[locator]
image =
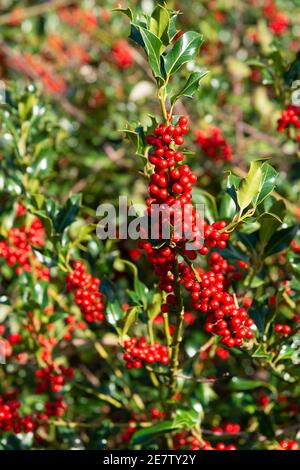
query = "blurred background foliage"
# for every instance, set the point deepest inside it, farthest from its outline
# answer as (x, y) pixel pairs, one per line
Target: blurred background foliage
(69, 71)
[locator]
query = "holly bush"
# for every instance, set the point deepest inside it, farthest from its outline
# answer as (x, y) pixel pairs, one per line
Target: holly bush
(189, 341)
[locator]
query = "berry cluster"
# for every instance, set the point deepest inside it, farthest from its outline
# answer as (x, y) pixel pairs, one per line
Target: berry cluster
(222, 353)
(224, 317)
(187, 441)
(79, 18)
(213, 144)
(295, 246)
(10, 419)
(157, 414)
(72, 324)
(286, 444)
(122, 54)
(86, 291)
(263, 400)
(130, 430)
(171, 184)
(170, 187)
(38, 69)
(17, 249)
(56, 407)
(46, 344)
(137, 352)
(278, 21)
(227, 428)
(283, 329)
(52, 378)
(290, 121)
(60, 52)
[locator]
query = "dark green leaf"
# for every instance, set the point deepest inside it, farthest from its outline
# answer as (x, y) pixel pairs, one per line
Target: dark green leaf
(114, 312)
(136, 136)
(232, 184)
(140, 289)
(135, 35)
(184, 50)
(293, 72)
(250, 240)
(268, 183)
(67, 213)
(146, 434)
(240, 384)
(261, 353)
(191, 85)
(269, 223)
(280, 240)
(259, 312)
(40, 293)
(227, 207)
(208, 203)
(233, 252)
(152, 46)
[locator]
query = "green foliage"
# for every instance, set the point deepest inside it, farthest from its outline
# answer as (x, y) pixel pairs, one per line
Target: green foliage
(72, 81)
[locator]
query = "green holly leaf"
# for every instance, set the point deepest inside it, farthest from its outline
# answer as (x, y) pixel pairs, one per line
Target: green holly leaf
(152, 45)
(250, 240)
(271, 221)
(81, 232)
(208, 202)
(232, 184)
(172, 25)
(184, 50)
(40, 293)
(280, 240)
(250, 185)
(240, 384)
(261, 353)
(190, 87)
(137, 137)
(67, 213)
(126, 11)
(148, 433)
(154, 308)
(160, 23)
(37, 201)
(259, 314)
(141, 291)
(114, 313)
(43, 163)
(187, 419)
(256, 63)
(135, 35)
(293, 72)
(130, 318)
(267, 184)
(227, 207)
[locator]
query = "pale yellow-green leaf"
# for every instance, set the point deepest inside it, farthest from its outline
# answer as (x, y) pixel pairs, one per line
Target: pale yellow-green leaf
(250, 185)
